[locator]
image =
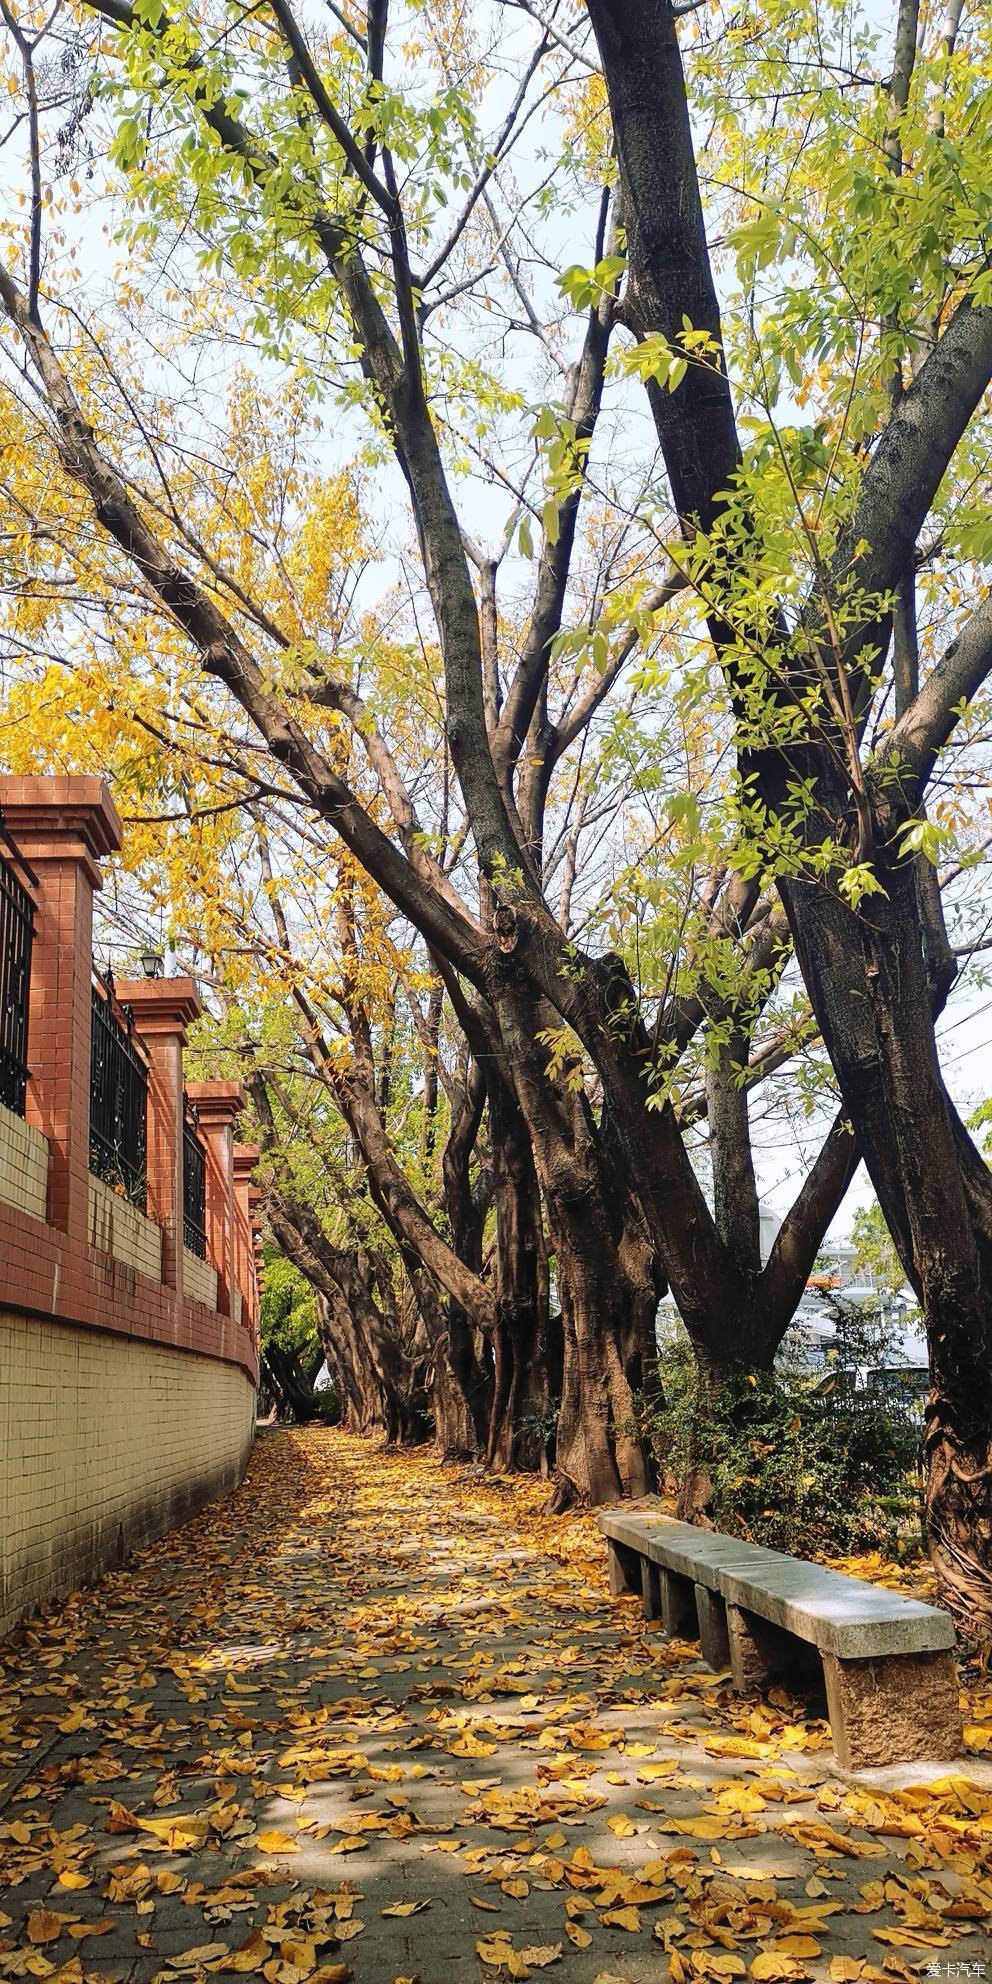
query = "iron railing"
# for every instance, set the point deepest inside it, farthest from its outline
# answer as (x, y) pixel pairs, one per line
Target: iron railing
(118, 1097)
(194, 1185)
(16, 931)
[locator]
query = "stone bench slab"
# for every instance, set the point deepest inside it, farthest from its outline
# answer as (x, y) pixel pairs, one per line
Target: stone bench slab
(698, 1554)
(838, 1614)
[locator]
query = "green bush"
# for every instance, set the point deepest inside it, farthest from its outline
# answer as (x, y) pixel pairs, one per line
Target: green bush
(780, 1464)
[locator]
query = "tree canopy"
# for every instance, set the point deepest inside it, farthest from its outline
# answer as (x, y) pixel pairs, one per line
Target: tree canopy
(505, 495)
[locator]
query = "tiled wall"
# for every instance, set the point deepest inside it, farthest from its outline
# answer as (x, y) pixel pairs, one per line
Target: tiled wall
(199, 1280)
(126, 1394)
(104, 1443)
(23, 1165)
(117, 1227)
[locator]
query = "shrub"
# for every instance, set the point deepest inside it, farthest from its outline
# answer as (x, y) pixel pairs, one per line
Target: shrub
(777, 1462)
(327, 1407)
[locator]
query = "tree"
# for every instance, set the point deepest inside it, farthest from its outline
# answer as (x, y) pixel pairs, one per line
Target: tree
(288, 1340)
(866, 923)
(874, 1253)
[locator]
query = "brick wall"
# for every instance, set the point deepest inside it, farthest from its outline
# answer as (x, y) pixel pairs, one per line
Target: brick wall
(23, 1165)
(127, 1365)
(104, 1444)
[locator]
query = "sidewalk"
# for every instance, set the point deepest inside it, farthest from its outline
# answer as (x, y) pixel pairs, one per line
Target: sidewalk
(371, 1717)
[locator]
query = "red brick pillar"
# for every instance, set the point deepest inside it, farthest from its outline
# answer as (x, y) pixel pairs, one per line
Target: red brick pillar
(163, 1009)
(245, 1160)
(62, 827)
(219, 1104)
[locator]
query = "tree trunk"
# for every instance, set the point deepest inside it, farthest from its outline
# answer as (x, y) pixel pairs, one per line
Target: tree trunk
(465, 1354)
(608, 1282)
(520, 1419)
(363, 1405)
(374, 1365)
(458, 1381)
(289, 1384)
(867, 976)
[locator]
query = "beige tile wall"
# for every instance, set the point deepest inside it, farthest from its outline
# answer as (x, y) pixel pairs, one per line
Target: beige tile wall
(118, 1228)
(104, 1443)
(199, 1279)
(23, 1165)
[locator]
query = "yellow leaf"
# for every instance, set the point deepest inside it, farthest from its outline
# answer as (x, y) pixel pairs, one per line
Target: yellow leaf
(707, 1826)
(621, 1918)
(577, 1935)
(405, 1908)
(276, 1842)
(492, 1951)
(467, 1745)
(910, 1939)
(252, 1954)
(44, 1926)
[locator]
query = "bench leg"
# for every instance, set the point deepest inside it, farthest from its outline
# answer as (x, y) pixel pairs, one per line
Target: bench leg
(711, 1613)
(762, 1654)
(903, 1709)
(678, 1606)
(747, 1666)
(650, 1589)
(625, 1569)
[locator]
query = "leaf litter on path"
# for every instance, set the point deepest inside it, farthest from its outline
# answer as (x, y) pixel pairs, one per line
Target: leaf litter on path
(375, 1718)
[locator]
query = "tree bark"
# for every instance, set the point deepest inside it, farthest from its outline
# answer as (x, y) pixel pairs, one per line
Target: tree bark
(519, 1423)
(868, 978)
(606, 1268)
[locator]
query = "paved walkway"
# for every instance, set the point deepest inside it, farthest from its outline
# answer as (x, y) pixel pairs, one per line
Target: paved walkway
(370, 1717)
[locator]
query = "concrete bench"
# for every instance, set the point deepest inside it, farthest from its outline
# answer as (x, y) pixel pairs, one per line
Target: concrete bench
(884, 1662)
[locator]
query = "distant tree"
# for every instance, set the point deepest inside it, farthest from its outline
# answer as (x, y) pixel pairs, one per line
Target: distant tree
(874, 1252)
(291, 1353)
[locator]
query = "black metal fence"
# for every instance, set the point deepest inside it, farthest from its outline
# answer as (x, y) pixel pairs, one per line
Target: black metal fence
(16, 928)
(194, 1186)
(118, 1097)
